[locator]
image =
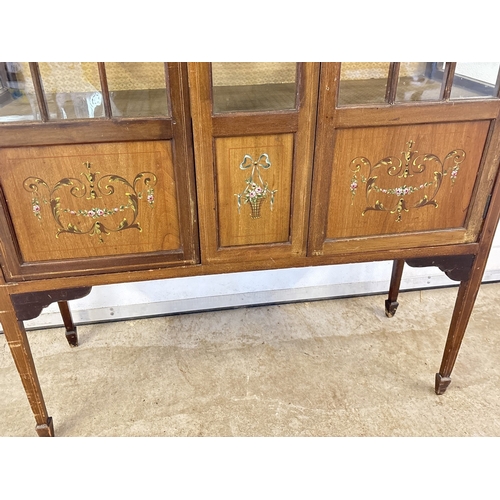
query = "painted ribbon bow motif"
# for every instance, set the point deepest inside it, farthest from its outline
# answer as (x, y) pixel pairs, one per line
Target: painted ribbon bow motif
(92, 217)
(256, 190)
(404, 184)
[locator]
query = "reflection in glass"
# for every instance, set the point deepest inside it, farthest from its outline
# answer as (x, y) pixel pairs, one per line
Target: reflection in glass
(473, 79)
(420, 81)
(17, 94)
(250, 86)
(72, 90)
(363, 82)
(137, 88)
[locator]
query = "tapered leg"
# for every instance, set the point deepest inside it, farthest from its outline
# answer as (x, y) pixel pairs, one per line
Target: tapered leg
(468, 269)
(391, 304)
(464, 304)
(15, 334)
(71, 333)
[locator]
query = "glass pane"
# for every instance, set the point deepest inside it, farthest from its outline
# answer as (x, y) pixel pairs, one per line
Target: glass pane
(17, 94)
(137, 88)
(363, 82)
(419, 81)
(474, 79)
(72, 90)
(267, 86)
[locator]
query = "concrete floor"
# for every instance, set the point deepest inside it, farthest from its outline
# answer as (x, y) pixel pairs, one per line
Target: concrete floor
(328, 368)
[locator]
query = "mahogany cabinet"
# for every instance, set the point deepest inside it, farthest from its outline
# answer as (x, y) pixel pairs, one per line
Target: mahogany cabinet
(120, 172)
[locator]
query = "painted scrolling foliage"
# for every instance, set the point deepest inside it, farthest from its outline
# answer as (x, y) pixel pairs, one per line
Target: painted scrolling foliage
(420, 177)
(256, 190)
(95, 216)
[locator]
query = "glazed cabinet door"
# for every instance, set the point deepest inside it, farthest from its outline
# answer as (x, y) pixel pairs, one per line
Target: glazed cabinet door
(253, 131)
(97, 169)
(403, 157)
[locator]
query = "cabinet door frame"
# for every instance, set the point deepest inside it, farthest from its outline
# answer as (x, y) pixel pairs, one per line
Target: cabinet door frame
(332, 118)
(208, 126)
(176, 129)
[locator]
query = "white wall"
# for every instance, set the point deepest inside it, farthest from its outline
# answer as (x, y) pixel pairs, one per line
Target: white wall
(133, 300)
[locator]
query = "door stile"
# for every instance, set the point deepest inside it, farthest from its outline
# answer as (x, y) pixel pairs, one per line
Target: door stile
(177, 82)
(323, 156)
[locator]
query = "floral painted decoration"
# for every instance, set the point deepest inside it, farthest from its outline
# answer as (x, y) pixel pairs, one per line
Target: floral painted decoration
(412, 167)
(94, 192)
(256, 190)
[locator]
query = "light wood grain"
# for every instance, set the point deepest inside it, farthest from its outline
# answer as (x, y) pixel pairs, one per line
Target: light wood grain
(37, 237)
(346, 219)
(236, 226)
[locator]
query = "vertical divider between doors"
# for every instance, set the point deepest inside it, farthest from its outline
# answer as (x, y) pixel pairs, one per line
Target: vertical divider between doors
(183, 158)
(200, 105)
(308, 83)
(323, 155)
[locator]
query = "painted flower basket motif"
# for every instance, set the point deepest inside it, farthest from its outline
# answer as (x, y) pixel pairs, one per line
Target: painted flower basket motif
(256, 190)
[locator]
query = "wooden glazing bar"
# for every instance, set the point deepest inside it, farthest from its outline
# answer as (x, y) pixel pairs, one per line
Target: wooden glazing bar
(104, 89)
(299, 71)
(448, 74)
(40, 94)
(416, 112)
(278, 122)
(169, 89)
(85, 131)
(335, 70)
(392, 82)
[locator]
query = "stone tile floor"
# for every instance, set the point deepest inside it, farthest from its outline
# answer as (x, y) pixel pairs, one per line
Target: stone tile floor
(328, 368)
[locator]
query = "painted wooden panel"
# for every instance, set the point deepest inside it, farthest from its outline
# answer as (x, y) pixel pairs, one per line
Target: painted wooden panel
(254, 186)
(91, 200)
(403, 179)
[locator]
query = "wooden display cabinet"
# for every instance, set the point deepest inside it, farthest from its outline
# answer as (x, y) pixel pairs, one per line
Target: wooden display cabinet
(120, 172)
